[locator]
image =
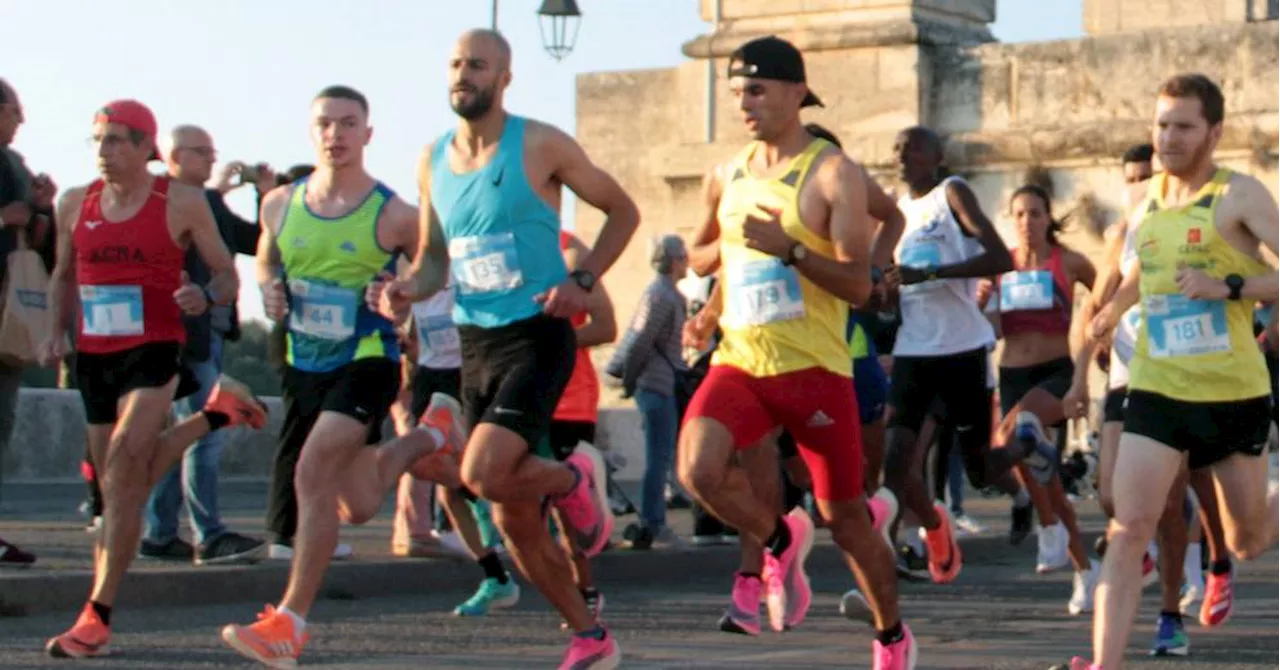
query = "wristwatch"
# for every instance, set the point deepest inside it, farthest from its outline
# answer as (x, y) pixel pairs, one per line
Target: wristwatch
(796, 253)
(1235, 283)
(930, 272)
(584, 279)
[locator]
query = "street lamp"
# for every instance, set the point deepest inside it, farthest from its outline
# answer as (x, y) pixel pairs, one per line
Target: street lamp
(555, 18)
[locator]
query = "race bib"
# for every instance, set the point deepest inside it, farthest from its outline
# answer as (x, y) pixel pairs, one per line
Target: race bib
(1180, 326)
(766, 291)
(485, 263)
(323, 311)
(1030, 289)
(112, 310)
(921, 255)
(437, 333)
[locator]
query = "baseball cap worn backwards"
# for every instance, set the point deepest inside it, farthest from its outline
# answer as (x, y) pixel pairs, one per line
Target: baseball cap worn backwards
(771, 58)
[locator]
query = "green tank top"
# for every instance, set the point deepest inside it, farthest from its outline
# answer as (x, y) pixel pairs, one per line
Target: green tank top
(328, 263)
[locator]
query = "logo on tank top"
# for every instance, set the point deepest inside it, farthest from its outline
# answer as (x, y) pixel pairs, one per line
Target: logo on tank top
(348, 246)
(117, 254)
(497, 181)
(1193, 236)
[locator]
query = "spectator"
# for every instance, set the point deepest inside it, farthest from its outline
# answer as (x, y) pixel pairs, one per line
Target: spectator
(26, 210)
(189, 156)
(648, 362)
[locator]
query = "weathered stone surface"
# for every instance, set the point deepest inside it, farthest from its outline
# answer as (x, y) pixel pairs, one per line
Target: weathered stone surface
(1103, 17)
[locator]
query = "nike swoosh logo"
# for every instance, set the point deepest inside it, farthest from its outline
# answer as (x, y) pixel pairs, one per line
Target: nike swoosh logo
(92, 224)
(504, 410)
(498, 180)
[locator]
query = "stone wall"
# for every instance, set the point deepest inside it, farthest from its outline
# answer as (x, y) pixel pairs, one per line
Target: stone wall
(1104, 17)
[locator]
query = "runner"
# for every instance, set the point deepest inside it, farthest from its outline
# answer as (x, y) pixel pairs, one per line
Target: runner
(575, 418)
(1036, 369)
(1198, 387)
(792, 234)
(329, 236)
(121, 246)
(941, 350)
(514, 301)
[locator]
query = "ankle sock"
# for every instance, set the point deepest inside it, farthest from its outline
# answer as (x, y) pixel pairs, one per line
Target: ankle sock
(890, 635)
(298, 622)
(467, 494)
(1021, 498)
(1176, 616)
(596, 633)
(103, 612)
(492, 566)
(750, 575)
(216, 420)
(780, 539)
(1220, 567)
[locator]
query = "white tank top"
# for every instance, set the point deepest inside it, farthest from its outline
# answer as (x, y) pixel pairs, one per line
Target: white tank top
(939, 317)
(1122, 342)
(437, 335)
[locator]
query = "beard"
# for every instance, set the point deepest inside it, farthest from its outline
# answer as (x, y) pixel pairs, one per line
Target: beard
(480, 103)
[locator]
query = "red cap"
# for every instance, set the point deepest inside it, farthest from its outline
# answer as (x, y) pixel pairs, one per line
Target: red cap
(132, 114)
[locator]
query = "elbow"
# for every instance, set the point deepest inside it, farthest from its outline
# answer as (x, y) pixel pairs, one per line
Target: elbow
(704, 259)
(858, 292)
(624, 214)
(1002, 261)
(609, 332)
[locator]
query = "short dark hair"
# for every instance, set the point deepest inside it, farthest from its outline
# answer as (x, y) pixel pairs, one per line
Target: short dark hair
(1200, 87)
(1139, 153)
(4, 91)
(345, 93)
(294, 174)
(820, 132)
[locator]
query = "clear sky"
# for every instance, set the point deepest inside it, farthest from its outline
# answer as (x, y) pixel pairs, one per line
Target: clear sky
(246, 70)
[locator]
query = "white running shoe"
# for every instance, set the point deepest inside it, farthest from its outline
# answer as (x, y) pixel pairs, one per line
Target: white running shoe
(1082, 586)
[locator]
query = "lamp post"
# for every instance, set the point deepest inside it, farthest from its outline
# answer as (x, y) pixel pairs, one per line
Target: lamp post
(556, 18)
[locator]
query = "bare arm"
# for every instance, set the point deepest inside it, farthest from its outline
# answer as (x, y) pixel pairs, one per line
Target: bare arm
(573, 168)
(602, 325)
(892, 222)
(192, 208)
(1109, 280)
(1260, 216)
(848, 275)
(994, 259)
(63, 296)
(268, 261)
(430, 271)
(704, 249)
(401, 225)
(1081, 272)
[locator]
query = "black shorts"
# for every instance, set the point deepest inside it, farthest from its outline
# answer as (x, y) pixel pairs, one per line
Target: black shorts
(513, 375)
(563, 437)
(1053, 377)
(1113, 405)
(953, 387)
(427, 381)
(1207, 431)
(362, 390)
(103, 379)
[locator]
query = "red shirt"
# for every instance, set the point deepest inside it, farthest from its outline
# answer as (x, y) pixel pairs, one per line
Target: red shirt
(581, 398)
(127, 272)
(1042, 306)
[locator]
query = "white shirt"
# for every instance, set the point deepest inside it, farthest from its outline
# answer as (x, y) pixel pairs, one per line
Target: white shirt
(437, 335)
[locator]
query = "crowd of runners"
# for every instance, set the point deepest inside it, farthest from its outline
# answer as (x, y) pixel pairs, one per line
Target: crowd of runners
(808, 255)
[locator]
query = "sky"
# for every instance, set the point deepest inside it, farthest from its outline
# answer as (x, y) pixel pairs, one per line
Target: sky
(246, 70)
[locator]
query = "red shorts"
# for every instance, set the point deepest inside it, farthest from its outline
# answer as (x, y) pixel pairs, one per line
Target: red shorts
(815, 405)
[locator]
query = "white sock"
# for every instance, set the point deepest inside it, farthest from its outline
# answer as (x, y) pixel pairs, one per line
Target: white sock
(436, 435)
(913, 539)
(1021, 498)
(1191, 566)
(298, 622)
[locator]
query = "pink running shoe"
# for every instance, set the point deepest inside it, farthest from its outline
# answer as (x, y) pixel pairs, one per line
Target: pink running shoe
(900, 655)
(585, 509)
(884, 509)
(588, 653)
(743, 615)
(788, 595)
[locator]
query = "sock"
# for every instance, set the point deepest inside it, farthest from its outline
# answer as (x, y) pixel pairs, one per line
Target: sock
(216, 420)
(596, 633)
(467, 494)
(1021, 498)
(1176, 616)
(890, 635)
(1220, 567)
(913, 540)
(492, 567)
(750, 575)
(589, 592)
(436, 434)
(1191, 566)
(298, 622)
(781, 538)
(103, 612)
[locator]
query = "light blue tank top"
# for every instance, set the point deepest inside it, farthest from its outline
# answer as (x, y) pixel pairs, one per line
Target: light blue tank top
(504, 240)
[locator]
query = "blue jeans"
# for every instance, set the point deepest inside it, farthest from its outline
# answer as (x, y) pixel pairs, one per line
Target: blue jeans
(955, 480)
(195, 478)
(658, 415)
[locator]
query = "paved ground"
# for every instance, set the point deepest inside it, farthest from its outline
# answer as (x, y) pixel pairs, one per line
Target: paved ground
(663, 607)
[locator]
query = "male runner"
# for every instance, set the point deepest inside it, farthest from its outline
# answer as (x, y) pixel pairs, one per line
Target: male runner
(941, 350)
(792, 236)
(1198, 387)
(329, 236)
(121, 246)
(490, 193)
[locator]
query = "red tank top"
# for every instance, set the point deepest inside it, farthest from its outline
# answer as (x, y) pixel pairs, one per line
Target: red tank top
(1036, 300)
(581, 398)
(127, 272)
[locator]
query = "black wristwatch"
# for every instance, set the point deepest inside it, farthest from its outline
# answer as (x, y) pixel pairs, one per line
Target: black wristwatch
(795, 254)
(584, 279)
(1235, 283)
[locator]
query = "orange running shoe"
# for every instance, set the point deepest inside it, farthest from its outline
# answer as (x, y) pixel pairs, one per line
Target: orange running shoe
(1216, 607)
(944, 550)
(271, 641)
(86, 639)
(444, 414)
(234, 399)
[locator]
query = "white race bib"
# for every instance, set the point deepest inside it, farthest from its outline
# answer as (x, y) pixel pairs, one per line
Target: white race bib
(920, 255)
(1026, 290)
(323, 311)
(1180, 326)
(485, 263)
(438, 334)
(766, 291)
(112, 310)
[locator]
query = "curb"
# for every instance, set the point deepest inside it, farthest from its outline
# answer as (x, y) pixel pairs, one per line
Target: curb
(27, 594)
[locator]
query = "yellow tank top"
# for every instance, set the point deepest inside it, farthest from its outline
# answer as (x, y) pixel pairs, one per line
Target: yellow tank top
(1193, 350)
(775, 321)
